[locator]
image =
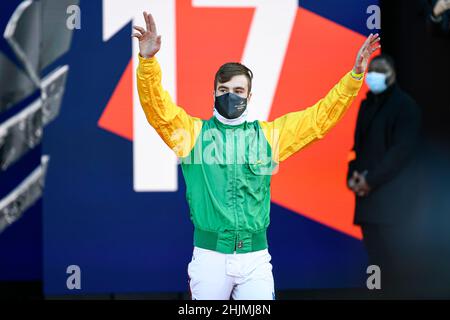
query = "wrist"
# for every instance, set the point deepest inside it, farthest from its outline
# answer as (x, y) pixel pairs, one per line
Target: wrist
(146, 56)
(435, 18)
(356, 74)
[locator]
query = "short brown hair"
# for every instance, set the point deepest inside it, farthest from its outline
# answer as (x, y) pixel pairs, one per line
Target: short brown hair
(231, 69)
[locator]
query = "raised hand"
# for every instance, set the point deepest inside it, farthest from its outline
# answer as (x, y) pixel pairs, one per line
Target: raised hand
(368, 48)
(149, 40)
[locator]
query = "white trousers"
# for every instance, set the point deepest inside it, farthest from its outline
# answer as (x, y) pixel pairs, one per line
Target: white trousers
(219, 276)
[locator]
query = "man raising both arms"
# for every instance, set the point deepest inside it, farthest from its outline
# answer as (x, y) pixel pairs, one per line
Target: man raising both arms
(227, 163)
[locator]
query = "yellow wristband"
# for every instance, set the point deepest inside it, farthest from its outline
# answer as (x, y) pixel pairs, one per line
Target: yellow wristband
(357, 76)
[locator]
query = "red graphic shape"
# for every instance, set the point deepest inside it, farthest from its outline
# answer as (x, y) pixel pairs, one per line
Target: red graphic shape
(313, 182)
(118, 114)
(320, 52)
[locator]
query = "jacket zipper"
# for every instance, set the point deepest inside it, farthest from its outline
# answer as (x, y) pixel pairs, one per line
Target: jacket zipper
(235, 190)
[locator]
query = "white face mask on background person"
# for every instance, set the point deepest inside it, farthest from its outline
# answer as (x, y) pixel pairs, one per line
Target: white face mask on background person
(376, 81)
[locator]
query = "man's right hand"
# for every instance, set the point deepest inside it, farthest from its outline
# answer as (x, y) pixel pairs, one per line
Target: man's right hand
(149, 40)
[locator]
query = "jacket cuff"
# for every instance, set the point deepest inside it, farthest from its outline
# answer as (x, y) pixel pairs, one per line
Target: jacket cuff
(371, 181)
(351, 86)
(147, 65)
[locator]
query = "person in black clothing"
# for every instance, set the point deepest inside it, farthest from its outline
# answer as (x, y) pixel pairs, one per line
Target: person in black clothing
(386, 136)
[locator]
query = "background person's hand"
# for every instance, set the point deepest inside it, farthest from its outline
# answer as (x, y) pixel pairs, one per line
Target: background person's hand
(149, 40)
(440, 7)
(352, 182)
(361, 188)
(368, 48)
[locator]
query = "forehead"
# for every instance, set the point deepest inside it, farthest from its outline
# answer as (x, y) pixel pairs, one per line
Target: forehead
(235, 82)
(379, 65)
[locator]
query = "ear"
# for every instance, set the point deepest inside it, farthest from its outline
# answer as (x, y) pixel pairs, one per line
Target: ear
(249, 97)
(391, 78)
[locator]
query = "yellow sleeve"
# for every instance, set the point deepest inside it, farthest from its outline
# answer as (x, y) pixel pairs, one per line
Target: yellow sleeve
(294, 131)
(178, 129)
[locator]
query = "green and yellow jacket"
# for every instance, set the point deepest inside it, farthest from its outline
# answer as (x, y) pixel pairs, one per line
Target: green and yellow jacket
(227, 168)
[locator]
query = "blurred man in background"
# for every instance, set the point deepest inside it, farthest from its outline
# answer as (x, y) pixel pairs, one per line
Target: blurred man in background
(386, 134)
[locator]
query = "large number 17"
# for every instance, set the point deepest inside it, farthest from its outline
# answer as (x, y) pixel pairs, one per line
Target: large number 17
(154, 164)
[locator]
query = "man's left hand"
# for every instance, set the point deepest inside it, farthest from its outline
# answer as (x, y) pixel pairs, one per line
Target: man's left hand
(368, 48)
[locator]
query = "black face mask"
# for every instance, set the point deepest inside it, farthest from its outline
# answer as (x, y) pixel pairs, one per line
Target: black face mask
(230, 105)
